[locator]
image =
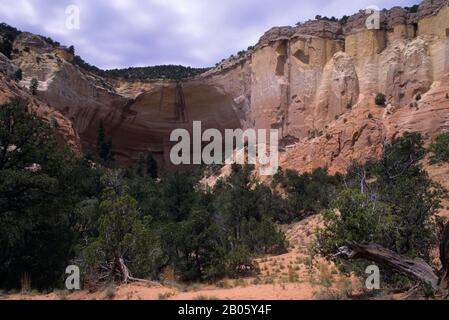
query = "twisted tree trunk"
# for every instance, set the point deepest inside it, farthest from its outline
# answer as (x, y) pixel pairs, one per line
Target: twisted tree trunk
(127, 278)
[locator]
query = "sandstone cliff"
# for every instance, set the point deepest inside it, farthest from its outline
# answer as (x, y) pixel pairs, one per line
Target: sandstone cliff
(10, 89)
(315, 82)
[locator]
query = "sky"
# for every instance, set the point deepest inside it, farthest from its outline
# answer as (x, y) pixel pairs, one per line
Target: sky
(199, 33)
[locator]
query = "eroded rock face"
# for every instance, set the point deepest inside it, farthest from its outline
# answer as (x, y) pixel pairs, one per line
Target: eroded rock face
(6, 66)
(138, 116)
(428, 116)
(315, 82)
(319, 89)
(65, 132)
(148, 121)
(357, 136)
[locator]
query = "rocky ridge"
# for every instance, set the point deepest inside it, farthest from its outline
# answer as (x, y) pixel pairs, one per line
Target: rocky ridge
(315, 82)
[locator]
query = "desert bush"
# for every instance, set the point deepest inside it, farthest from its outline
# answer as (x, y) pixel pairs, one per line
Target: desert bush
(166, 295)
(440, 149)
(110, 291)
(34, 84)
(240, 263)
(206, 298)
(7, 36)
(380, 99)
(307, 194)
(18, 75)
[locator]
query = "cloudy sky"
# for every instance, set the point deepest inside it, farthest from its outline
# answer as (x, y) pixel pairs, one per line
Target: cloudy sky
(122, 33)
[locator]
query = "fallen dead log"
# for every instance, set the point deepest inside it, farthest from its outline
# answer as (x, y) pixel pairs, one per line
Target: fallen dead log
(417, 269)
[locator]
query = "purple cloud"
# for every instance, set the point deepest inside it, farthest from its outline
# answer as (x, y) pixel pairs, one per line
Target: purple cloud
(123, 33)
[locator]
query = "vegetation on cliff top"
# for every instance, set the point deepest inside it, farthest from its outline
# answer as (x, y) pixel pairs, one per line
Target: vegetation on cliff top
(7, 36)
(171, 72)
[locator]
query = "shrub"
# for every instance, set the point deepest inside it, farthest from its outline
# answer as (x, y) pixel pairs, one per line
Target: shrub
(239, 262)
(440, 149)
(413, 9)
(18, 75)
(110, 292)
(51, 42)
(104, 146)
(152, 168)
(307, 193)
(166, 295)
(34, 84)
(344, 19)
(7, 36)
(380, 99)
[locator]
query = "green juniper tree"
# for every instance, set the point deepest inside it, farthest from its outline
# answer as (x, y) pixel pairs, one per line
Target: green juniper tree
(7, 36)
(381, 99)
(440, 149)
(391, 202)
(104, 145)
(124, 241)
(39, 184)
(34, 84)
(308, 193)
(152, 168)
(140, 165)
(18, 75)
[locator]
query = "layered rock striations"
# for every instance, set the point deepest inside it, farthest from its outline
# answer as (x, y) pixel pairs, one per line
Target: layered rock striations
(63, 127)
(315, 82)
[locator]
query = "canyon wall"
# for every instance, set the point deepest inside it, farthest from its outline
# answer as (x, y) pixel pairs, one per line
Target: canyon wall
(315, 82)
(10, 90)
